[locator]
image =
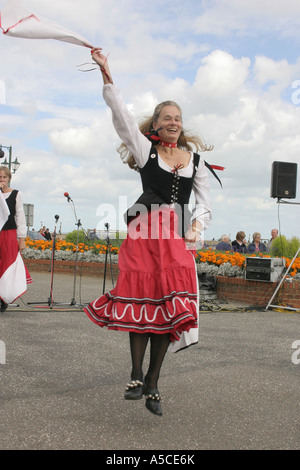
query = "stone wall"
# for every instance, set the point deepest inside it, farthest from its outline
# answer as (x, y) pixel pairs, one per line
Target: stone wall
(68, 267)
(258, 293)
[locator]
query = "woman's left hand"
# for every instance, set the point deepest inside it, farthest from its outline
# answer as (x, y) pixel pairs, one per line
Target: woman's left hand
(191, 236)
(22, 244)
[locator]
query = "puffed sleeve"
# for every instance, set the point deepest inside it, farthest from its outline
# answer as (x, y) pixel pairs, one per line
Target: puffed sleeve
(202, 209)
(126, 125)
(20, 217)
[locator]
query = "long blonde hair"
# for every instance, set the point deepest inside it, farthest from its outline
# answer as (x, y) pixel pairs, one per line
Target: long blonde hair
(185, 142)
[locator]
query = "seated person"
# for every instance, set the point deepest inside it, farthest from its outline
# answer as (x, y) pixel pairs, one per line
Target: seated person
(256, 246)
(93, 235)
(238, 245)
(224, 244)
(274, 235)
(47, 234)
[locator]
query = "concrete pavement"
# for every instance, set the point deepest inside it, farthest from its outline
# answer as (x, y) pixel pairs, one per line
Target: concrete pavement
(63, 381)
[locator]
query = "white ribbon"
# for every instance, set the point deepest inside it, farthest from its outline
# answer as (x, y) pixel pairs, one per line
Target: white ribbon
(17, 21)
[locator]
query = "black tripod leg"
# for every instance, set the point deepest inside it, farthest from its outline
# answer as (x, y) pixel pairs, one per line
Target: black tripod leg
(51, 268)
(105, 266)
(73, 301)
(111, 269)
(50, 300)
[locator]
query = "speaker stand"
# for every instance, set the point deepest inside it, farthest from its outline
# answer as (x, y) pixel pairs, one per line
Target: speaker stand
(279, 285)
(280, 201)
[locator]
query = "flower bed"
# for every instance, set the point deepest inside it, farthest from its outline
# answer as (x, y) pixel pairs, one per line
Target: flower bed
(211, 262)
(233, 264)
(69, 248)
(228, 269)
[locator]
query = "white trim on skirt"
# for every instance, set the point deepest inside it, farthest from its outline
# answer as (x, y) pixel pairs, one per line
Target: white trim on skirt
(13, 282)
(188, 338)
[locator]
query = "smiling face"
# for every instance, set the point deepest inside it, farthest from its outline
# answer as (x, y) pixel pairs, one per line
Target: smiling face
(170, 120)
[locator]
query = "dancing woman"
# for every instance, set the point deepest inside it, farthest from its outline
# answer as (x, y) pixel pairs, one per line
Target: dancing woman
(156, 296)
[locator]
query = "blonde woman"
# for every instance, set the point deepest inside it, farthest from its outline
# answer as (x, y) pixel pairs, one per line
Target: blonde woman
(156, 295)
(256, 246)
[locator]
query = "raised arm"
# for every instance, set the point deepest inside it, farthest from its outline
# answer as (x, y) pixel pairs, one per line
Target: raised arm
(101, 60)
(123, 120)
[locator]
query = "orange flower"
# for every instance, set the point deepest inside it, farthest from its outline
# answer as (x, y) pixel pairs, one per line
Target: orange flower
(237, 259)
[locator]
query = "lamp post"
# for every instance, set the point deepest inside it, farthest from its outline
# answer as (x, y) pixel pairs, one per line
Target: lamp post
(12, 166)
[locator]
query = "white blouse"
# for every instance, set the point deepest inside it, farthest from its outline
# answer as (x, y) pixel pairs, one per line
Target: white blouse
(129, 132)
(19, 216)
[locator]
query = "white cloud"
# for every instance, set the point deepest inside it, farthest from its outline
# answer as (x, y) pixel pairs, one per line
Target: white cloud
(220, 82)
(2, 92)
(241, 17)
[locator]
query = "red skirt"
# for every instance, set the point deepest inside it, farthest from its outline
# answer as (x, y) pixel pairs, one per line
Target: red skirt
(14, 275)
(157, 286)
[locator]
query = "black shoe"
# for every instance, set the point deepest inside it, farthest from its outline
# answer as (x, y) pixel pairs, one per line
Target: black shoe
(153, 400)
(134, 390)
(3, 306)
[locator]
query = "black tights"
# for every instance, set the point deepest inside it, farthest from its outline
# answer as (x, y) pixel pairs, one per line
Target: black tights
(158, 348)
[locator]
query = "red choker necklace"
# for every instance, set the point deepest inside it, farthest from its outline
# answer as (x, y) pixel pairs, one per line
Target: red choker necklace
(168, 144)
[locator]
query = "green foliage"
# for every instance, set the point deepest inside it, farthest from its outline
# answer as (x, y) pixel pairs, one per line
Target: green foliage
(283, 247)
(71, 237)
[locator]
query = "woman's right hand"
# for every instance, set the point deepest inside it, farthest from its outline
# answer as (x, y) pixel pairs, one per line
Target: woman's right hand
(101, 60)
(98, 57)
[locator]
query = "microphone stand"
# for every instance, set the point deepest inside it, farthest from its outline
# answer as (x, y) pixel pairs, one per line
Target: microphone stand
(50, 299)
(73, 301)
(78, 224)
(51, 302)
(106, 254)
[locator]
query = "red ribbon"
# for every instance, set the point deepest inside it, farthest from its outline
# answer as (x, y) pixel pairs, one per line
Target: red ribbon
(216, 167)
(177, 167)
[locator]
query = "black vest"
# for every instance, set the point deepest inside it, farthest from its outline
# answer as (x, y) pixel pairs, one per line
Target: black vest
(164, 187)
(10, 224)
